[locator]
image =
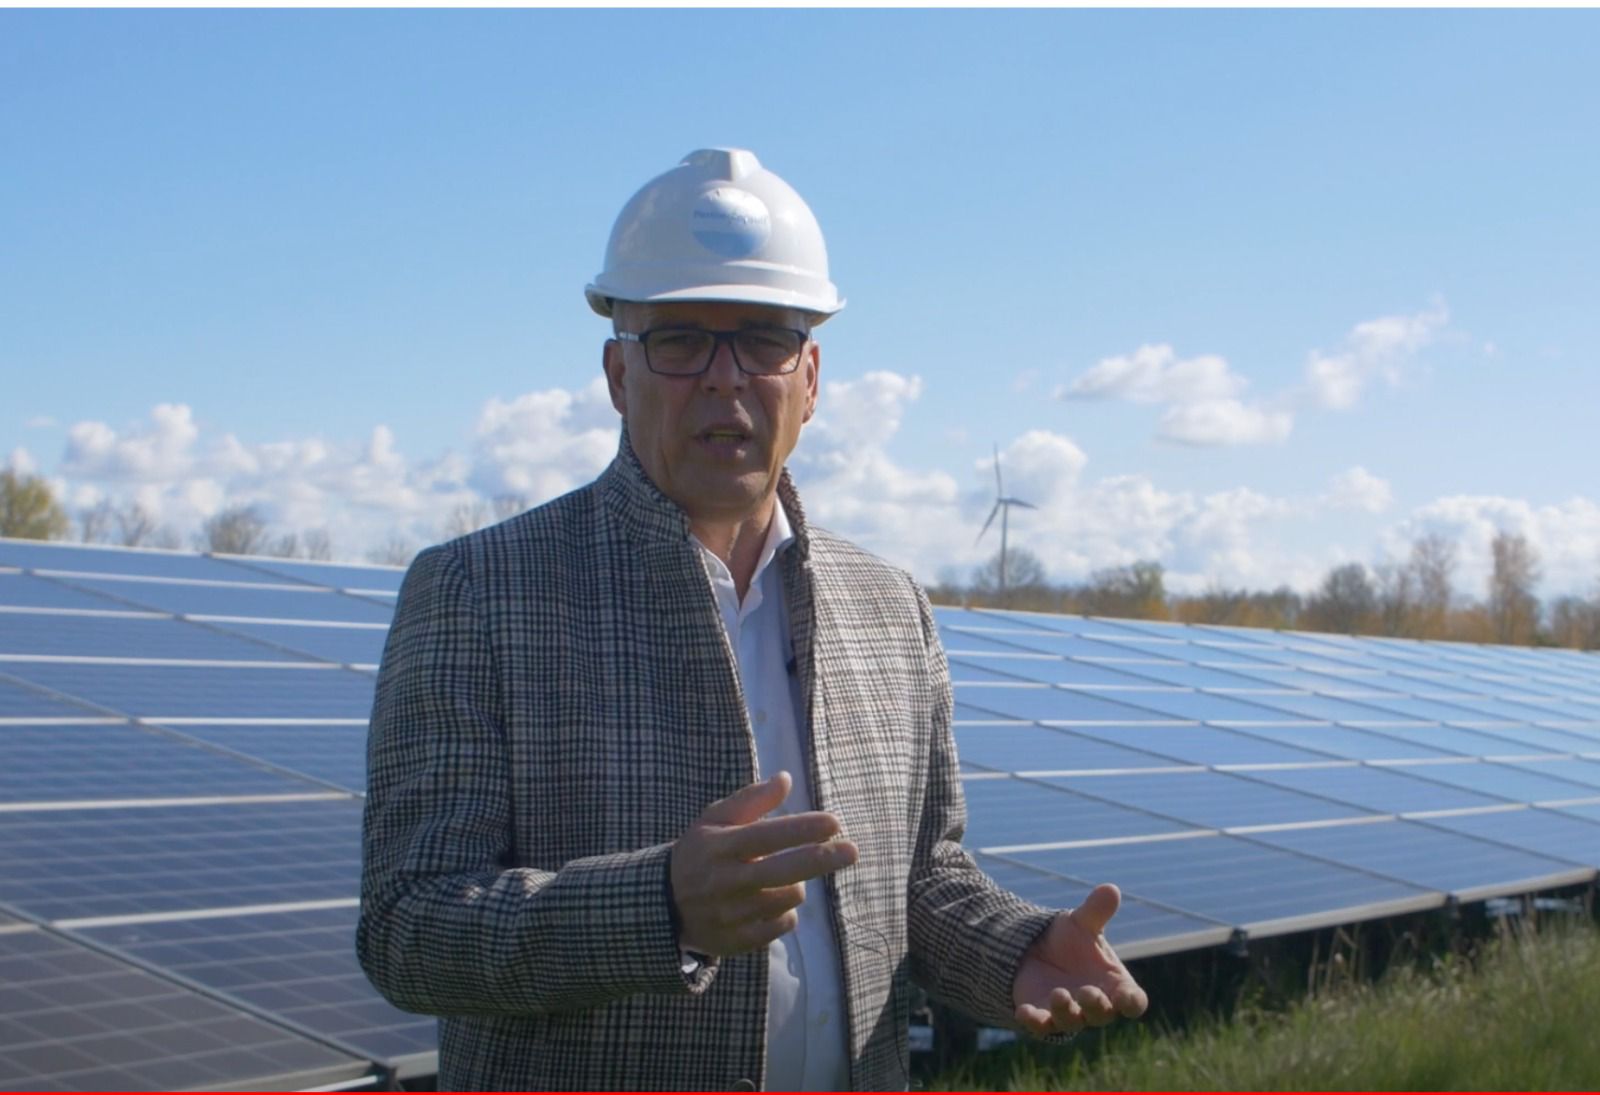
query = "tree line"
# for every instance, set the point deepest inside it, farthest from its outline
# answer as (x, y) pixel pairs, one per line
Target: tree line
(1416, 599)
(29, 510)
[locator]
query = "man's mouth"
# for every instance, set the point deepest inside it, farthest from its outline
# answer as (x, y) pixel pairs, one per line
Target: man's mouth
(725, 435)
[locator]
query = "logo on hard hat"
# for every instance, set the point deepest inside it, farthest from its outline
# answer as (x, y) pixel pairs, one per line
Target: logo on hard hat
(733, 223)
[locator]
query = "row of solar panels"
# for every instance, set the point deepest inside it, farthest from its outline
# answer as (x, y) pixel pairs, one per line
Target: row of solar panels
(184, 749)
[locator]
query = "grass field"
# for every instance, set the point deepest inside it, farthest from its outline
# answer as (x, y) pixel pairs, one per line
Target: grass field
(1522, 1013)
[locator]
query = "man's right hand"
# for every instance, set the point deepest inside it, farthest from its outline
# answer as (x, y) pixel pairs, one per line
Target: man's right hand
(738, 875)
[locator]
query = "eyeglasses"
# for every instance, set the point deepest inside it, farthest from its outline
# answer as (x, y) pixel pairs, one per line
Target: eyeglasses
(687, 351)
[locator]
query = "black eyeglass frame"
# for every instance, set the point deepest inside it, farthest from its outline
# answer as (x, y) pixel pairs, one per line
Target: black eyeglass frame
(717, 338)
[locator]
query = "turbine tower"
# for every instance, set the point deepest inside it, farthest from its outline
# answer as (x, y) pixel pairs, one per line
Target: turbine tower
(1002, 506)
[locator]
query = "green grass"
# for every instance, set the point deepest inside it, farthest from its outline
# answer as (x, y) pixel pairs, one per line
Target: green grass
(1523, 1014)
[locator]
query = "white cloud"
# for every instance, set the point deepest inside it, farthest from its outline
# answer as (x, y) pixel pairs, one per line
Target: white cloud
(1376, 349)
(1566, 537)
(21, 461)
(1155, 374)
(1224, 422)
(1358, 489)
(862, 413)
(1201, 393)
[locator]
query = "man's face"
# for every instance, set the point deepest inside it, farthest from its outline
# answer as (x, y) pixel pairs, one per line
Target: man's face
(714, 443)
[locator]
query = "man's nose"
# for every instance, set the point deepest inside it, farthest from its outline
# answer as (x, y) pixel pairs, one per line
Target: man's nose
(723, 374)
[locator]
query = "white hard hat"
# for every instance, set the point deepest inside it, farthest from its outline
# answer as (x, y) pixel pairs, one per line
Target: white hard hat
(719, 226)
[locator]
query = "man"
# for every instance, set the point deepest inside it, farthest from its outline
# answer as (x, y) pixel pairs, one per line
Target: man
(662, 791)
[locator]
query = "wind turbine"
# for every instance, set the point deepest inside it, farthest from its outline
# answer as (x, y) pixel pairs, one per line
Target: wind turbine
(1002, 506)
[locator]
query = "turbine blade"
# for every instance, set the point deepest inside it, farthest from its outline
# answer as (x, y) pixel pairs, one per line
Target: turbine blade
(989, 522)
(999, 487)
(1020, 502)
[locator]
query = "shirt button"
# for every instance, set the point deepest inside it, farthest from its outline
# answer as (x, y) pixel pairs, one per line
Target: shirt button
(761, 718)
(822, 1018)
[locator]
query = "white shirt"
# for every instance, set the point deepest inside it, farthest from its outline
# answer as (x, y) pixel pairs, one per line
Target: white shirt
(806, 1037)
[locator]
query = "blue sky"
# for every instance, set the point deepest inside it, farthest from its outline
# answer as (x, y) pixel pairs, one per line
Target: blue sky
(1250, 292)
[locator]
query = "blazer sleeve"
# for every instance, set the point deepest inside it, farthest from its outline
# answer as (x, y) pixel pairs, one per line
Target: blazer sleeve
(966, 934)
(448, 926)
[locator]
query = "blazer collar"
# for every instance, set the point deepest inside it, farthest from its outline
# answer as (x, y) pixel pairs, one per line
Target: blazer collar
(651, 517)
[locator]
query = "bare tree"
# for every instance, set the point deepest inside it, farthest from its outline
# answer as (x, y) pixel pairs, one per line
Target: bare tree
(396, 551)
(507, 506)
(237, 530)
(136, 525)
(1433, 562)
(1397, 600)
(95, 522)
(1513, 607)
(318, 545)
(1024, 577)
(1575, 622)
(29, 510)
(1345, 602)
(286, 546)
(466, 518)
(1137, 591)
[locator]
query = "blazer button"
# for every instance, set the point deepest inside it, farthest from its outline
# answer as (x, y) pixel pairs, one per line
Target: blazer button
(744, 1085)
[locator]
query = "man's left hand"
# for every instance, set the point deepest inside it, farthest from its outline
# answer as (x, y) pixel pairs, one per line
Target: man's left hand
(1071, 978)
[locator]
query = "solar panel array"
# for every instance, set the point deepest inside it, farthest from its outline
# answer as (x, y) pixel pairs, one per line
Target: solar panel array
(182, 753)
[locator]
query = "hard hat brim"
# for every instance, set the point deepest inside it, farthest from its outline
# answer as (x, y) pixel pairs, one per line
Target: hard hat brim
(601, 301)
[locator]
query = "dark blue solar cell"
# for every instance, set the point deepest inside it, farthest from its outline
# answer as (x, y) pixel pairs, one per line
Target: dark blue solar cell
(52, 763)
(327, 575)
(122, 637)
(1138, 930)
(1326, 708)
(1238, 882)
(333, 754)
(1554, 833)
(1201, 744)
(1284, 677)
(84, 559)
(298, 964)
(1076, 646)
(1190, 676)
(1202, 707)
(28, 591)
(74, 1019)
(1503, 781)
(1448, 739)
(1386, 790)
(1407, 708)
(345, 645)
(110, 862)
(1215, 800)
(20, 702)
(950, 616)
(1344, 742)
(1005, 812)
(1057, 704)
(975, 669)
(181, 691)
(1584, 772)
(1539, 739)
(1433, 859)
(1300, 659)
(1043, 749)
(1070, 625)
(957, 642)
(263, 603)
(1588, 811)
(1058, 670)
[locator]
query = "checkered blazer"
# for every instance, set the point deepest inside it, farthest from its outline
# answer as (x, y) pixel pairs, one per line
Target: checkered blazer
(558, 702)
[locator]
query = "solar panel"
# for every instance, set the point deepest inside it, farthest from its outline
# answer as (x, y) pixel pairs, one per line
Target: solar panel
(86, 762)
(75, 1019)
(1256, 889)
(157, 692)
(46, 633)
(19, 590)
(163, 728)
(297, 964)
(1462, 866)
(1214, 800)
(1139, 930)
(254, 602)
(75, 863)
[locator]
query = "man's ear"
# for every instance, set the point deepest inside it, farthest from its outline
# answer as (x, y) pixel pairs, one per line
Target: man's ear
(813, 366)
(615, 367)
